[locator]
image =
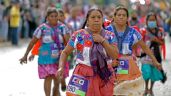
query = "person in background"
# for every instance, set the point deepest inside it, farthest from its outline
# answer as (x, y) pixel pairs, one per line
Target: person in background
(134, 20)
(15, 22)
(62, 19)
(93, 46)
(3, 23)
(74, 21)
(154, 38)
(50, 36)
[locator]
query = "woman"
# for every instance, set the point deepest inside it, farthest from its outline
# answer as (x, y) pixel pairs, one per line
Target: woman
(88, 72)
(154, 38)
(62, 18)
(127, 39)
(50, 36)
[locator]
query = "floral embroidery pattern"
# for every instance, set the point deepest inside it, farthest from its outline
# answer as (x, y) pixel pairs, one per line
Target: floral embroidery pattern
(83, 42)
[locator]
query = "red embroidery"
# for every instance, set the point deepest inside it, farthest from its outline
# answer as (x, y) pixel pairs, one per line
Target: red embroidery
(79, 47)
(88, 43)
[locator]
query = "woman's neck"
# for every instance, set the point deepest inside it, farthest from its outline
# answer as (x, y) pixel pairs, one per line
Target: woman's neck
(120, 28)
(52, 25)
(95, 31)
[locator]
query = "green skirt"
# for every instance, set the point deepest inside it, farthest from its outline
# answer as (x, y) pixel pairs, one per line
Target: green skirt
(151, 72)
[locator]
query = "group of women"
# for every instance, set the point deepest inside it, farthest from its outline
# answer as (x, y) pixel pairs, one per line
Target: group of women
(104, 55)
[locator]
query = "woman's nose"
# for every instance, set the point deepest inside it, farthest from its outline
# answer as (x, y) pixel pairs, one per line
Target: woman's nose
(96, 19)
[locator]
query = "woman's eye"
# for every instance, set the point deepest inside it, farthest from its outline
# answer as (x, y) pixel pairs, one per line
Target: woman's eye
(99, 17)
(93, 17)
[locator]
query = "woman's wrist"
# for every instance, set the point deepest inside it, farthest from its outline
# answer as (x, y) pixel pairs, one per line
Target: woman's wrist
(60, 68)
(103, 40)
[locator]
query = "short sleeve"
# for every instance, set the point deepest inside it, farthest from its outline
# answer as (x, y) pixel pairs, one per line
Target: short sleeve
(38, 32)
(136, 36)
(65, 29)
(109, 28)
(73, 40)
(111, 38)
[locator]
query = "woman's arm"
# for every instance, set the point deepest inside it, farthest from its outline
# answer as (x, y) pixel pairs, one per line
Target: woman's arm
(63, 58)
(30, 46)
(160, 41)
(112, 50)
(66, 38)
(147, 50)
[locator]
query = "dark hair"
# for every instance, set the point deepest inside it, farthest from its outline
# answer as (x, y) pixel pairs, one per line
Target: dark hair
(50, 10)
(121, 8)
(61, 11)
(88, 14)
(151, 14)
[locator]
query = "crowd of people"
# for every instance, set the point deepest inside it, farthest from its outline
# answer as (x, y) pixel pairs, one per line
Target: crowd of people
(102, 44)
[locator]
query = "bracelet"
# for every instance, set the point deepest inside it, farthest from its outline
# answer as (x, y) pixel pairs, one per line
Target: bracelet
(102, 41)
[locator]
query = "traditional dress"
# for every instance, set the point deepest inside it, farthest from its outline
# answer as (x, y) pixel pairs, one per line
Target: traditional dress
(49, 47)
(127, 71)
(93, 85)
(148, 70)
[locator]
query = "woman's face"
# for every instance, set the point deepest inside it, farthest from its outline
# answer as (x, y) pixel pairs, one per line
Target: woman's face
(61, 17)
(152, 23)
(52, 18)
(95, 20)
(121, 17)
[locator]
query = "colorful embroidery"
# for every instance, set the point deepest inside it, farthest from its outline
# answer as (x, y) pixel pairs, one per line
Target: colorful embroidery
(132, 37)
(83, 42)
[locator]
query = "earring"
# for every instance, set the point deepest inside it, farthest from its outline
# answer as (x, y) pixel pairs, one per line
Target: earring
(87, 25)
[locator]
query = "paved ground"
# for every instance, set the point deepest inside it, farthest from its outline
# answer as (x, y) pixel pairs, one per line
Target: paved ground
(18, 80)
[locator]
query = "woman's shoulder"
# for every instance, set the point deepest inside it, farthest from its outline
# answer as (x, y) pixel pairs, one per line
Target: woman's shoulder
(81, 31)
(134, 30)
(109, 32)
(109, 27)
(61, 24)
(43, 26)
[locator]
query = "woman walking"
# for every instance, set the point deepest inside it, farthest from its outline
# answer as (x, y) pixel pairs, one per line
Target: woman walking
(49, 34)
(93, 75)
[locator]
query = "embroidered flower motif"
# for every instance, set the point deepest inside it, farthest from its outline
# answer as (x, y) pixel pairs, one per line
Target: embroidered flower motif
(88, 43)
(87, 36)
(73, 38)
(80, 47)
(80, 38)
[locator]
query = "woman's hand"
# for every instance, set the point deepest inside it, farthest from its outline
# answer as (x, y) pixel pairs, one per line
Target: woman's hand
(60, 72)
(31, 57)
(157, 65)
(23, 60)
(98, 38)
(115, 63)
